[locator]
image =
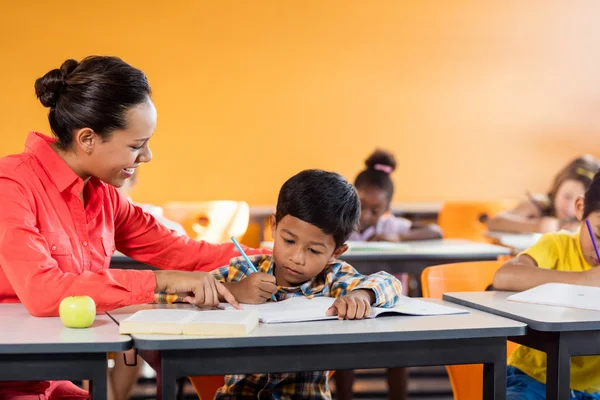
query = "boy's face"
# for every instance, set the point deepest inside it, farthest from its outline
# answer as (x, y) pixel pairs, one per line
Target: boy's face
(587, 246)
(300, 250)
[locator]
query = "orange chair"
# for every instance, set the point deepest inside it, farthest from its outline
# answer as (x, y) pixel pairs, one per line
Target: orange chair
(466, 380)
(467, 220)
(207, 386)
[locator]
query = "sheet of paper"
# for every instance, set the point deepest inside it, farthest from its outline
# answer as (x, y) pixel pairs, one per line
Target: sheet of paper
(561, 295)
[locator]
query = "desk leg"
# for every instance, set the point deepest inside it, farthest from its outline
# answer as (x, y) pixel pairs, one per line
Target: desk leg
(558, 378)
(166, 381)
(494, 375)
(99, 383)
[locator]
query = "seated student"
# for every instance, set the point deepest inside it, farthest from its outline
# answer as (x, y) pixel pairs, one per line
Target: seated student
(557, 257)
(153, 210)
(375, 190)
(316, 212)
(554, 211)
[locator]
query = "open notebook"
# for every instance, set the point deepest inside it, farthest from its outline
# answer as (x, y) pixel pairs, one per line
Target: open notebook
(190, 322)
(562, 295)
(300, 309)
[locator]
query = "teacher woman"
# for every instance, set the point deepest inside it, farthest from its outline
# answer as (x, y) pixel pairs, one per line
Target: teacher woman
(61, 217)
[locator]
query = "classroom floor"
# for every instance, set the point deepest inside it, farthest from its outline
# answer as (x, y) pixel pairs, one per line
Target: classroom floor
(429, 383)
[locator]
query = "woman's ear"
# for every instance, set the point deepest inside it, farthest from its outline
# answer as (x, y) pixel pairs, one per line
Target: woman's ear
(579, 208)
(338, 252)
(84, 140)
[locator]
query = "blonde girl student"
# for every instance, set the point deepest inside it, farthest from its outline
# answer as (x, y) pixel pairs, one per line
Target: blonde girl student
(553, 211)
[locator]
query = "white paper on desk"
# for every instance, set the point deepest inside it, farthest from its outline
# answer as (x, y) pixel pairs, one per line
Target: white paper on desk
(301, 309)
(561, 295)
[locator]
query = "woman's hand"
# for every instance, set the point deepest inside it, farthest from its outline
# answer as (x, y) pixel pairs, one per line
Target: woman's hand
(203, 288)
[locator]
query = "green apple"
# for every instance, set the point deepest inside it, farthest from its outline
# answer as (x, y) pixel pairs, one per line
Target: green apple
(77, 311)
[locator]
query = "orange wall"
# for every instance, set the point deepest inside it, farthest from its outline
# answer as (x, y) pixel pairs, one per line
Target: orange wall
(478, 99)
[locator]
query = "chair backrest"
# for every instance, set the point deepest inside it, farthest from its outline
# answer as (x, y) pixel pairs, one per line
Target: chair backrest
(212, 221)
(468, 220)
(473, 276)
(466, 380)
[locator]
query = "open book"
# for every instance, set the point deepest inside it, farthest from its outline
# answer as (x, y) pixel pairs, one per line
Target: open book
(300, 309)
(561, 295)
(190, 322)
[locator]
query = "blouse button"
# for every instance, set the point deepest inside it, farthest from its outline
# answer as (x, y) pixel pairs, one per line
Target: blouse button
(139, 298)
(85, 244)
(53, 248)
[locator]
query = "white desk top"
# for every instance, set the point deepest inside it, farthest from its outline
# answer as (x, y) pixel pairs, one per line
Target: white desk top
(425, 249)
(396, 328)
(260, 211)
(517, 241)
(538, 317)
(22, 333)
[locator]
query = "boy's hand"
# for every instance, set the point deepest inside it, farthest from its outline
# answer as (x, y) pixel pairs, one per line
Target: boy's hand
(356, 305)
(254, 289)
(591, 277)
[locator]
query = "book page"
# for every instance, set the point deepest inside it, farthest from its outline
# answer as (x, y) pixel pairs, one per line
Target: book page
(561, 295)
(295, 309)
(299, 309)
(409, 306)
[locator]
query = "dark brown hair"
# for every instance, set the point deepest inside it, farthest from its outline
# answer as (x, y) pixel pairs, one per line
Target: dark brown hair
(582, 169)
(379, 165)
(95, 93)
(323, 199)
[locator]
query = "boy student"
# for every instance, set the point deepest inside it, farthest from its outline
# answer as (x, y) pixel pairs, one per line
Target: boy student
(316, 213)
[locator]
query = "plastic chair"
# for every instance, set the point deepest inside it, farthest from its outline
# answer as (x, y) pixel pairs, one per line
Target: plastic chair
(467, 220)
(207, 386)
(466, 380)
(211, 221)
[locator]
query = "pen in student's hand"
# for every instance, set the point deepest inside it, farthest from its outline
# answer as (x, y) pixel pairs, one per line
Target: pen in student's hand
(592, 236)
(250, 265)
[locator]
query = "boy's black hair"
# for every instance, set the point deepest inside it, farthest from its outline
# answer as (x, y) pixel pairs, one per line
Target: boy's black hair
(379, 166)
(592, 197)
(323, 199)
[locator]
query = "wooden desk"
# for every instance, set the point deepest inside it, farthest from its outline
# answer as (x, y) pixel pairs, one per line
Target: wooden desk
(560, 332)
(378, 343)
(44, 349)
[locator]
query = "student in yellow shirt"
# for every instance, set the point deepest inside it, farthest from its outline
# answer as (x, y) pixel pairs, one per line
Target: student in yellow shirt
(557, 257)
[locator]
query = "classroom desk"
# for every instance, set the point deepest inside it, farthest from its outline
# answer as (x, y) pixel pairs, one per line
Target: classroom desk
(385, 342)
(412, 211)
(413, 257)
(516, 241)
(410, 257)
(44, 349)
(395, 258)
(559, 331)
